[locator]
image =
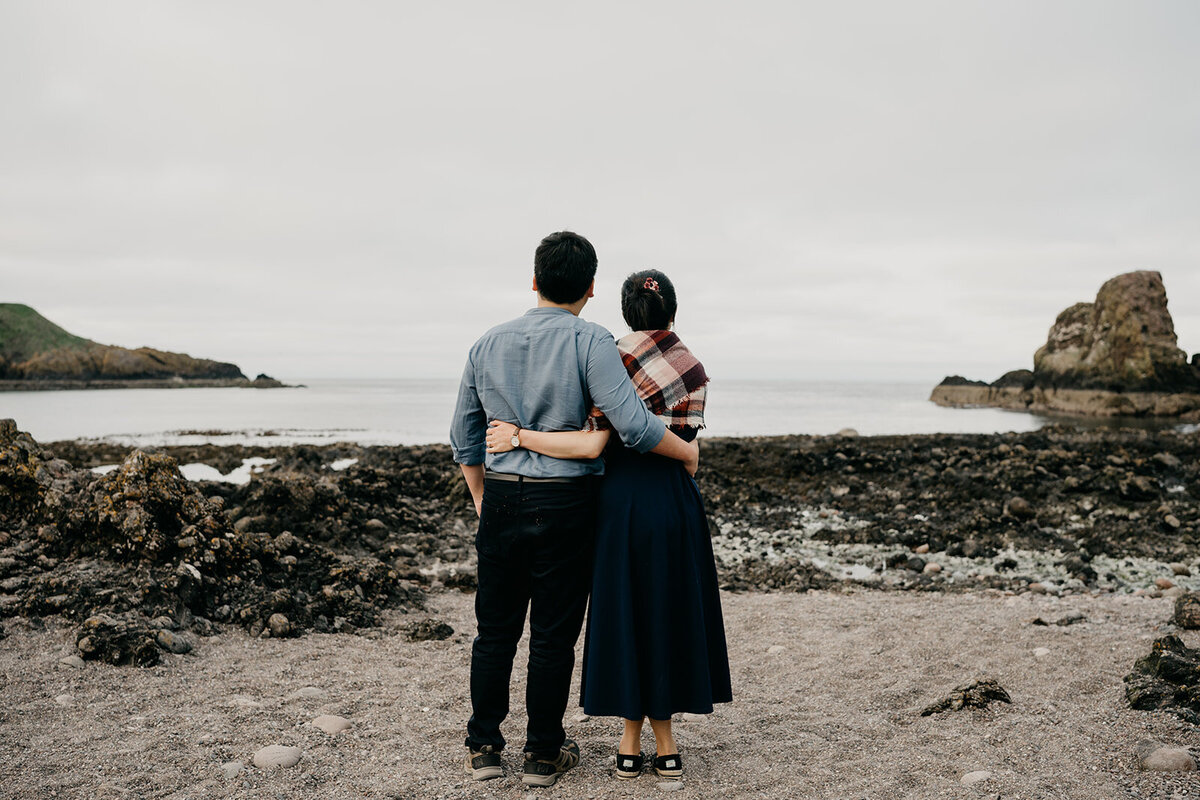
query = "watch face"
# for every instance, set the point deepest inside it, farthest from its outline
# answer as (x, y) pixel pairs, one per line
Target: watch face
(516, 441)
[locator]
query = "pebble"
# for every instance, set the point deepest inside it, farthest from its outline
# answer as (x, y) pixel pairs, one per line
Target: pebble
(687, 716)
(932, 568)
(1163, 758)
(332, 724)
(922, 549)
(582, 718)
(173, 642)
(670, 786)
(1175, 591)
(1037, 588)
(277, 755)
(72, 661)
(231, 769)
(245, 702)
(309, 692)
(1041, 652)
(1164, 583)
(279, 625)
(972, 778)
(65, 699)
(1172, 521)
(1179, 569)
(775, 649)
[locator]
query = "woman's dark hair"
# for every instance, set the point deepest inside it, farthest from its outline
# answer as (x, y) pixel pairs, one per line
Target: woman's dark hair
(648, 301)
(564, 266)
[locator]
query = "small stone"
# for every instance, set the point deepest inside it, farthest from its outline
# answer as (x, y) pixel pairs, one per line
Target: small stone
(932, 568)
(65, 699)
(670, 786)
(915, 563)
(277, 755)
(1038, 588)
(245, 702)
(1172, 521)
(775, 649)
(1179, 569)
(309, 692)
(922, 549)
(1041, 652)
(1174, 591)
(1018, 507)
(687, 716)
(581, 718)
(332, 724)
(1163, 583)
(1162, 758)
(231, 769)
(72, 661)
(972, 778)
(279, 625)
(173, 642)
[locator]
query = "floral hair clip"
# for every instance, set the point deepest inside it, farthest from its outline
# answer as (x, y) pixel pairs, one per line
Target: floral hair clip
(650, 284)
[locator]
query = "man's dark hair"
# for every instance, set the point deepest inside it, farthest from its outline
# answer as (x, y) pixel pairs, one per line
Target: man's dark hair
(648, 301)
(564, 266)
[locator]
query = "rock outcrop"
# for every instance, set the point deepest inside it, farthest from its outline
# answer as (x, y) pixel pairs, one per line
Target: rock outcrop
(141, 550)
(1113, 357)
(36, 353)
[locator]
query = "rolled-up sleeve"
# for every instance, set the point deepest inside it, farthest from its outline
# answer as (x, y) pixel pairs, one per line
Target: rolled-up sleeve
(468, 429)
(613, 393)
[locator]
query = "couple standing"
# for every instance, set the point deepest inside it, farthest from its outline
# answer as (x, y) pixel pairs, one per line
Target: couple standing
(540, 396)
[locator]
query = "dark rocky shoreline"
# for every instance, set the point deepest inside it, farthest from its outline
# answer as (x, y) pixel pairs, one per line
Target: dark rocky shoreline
(327, 549)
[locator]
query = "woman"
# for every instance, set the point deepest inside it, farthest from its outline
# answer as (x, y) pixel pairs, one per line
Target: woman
(655, 642)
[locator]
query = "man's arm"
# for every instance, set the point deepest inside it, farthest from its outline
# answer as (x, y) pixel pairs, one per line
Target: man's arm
(613, 393)
(468, 431)
(474, 475)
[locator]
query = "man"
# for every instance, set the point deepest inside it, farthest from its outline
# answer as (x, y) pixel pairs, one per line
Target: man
(542, 371)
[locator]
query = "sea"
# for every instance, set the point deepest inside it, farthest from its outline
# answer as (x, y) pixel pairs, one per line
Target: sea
(418, 411)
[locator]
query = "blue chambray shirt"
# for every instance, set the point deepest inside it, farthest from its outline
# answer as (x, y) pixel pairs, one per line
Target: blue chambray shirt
(544, 371)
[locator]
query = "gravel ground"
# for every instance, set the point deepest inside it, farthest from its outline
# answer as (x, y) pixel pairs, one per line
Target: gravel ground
(834, 714)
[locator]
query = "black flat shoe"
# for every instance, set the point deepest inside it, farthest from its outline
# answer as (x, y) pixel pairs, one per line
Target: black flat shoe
(669, 766)
(629, 767)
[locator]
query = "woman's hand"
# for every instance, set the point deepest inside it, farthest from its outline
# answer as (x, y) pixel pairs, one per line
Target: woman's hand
(499, 436)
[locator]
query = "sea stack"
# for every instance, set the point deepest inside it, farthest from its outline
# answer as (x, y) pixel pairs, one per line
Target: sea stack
(1116, 356)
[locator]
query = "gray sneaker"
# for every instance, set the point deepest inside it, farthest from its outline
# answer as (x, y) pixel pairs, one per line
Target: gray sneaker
(544, 772)
(484, 764)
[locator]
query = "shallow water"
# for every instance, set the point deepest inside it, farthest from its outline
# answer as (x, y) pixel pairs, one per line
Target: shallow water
(404, 411)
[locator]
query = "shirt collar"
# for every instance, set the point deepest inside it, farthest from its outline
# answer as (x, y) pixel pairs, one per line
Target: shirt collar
(547, 310)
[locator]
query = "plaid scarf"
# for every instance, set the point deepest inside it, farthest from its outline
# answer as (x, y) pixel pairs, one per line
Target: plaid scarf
(668, 378)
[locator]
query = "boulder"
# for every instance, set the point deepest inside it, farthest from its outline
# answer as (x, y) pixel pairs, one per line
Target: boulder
(1123, 341)
(1187, 610)
(1167, 679)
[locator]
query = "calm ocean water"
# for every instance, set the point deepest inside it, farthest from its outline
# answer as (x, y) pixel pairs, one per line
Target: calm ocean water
(418, 412)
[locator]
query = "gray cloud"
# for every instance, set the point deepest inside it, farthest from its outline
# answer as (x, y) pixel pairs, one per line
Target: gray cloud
(840, 190)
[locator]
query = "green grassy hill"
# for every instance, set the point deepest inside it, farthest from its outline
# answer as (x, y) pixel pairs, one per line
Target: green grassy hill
(32, 348)
(25, 333)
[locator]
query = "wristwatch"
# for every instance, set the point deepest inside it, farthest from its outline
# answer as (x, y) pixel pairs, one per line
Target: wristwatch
(516, 438)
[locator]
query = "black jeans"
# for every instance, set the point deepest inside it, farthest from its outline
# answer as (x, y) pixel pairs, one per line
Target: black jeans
(535, 551)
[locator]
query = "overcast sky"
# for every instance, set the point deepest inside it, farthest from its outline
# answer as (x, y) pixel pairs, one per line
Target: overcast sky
(839, 190)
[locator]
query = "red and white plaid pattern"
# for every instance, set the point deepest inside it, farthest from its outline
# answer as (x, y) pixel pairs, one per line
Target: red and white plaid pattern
(667, 377)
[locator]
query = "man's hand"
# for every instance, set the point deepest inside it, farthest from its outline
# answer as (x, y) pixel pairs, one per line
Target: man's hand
(692, 463)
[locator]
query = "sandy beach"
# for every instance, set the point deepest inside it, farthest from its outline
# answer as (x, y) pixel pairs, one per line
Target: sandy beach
(834, 713)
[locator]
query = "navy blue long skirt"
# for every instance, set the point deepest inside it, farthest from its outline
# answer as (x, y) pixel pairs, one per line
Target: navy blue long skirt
(655, 640)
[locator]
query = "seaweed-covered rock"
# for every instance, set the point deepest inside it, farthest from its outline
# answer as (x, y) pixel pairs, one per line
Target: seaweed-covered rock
(977, 694)
(1166, 679)
(118, 639)
(1187, 610)
(429, 630)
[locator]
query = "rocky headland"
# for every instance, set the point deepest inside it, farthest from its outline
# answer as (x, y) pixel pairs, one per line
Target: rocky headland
(37, 354)
(1116, 356)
